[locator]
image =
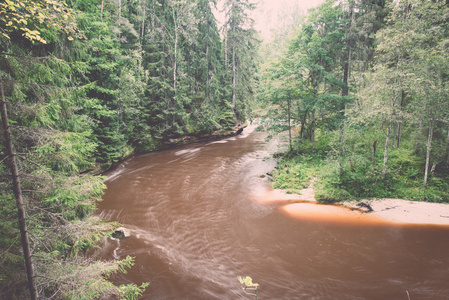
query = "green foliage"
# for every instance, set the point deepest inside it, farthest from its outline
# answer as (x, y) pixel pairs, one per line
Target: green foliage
(295, 170)
(87, 83)
(385, 116)
(82, 279)
(294, 173)
(67, 152)
(77, 194)
(350, 176)
(327, 193)
(132, 291)
(38, 21)
(11, 261)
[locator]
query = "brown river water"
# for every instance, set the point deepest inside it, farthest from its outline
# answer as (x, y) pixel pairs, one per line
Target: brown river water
(200, 215)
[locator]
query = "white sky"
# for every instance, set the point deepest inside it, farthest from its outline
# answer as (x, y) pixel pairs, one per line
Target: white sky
(268, 13)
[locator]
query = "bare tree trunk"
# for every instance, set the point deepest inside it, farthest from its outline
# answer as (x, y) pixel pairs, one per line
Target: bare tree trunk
(101, 16)
(347, 54)
(303, 125)
(176, 50)
(143, 21)
(374, 154)
(429, 149)
(447, 148)
(313, 130)
(226, 45)
(301, 131)
(387, 141)
(395, 126)
(400, 119)
(434, 165)
(18, 196)
(346, 73)
(289, 125)
(208, 71)
(234, 78)
(120, 17)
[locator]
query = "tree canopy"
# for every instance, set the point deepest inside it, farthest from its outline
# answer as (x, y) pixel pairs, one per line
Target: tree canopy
(86, 84)
(358, 75)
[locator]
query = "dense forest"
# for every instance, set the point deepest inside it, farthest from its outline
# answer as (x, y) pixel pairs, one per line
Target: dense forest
(84, 84)
(359, 86)
(362, 88)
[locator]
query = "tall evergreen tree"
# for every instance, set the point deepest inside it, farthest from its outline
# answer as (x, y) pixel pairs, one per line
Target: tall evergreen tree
(53, 144)
(240, 50)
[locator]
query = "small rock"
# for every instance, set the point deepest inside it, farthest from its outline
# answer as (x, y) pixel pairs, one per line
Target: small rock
(121, 233)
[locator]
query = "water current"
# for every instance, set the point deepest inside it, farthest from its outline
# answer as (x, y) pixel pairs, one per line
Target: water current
(199, 217)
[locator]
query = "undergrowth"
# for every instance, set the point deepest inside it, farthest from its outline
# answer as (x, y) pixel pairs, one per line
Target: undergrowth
(351, 175)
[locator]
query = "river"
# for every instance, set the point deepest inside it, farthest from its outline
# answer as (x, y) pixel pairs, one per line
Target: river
(198, 222)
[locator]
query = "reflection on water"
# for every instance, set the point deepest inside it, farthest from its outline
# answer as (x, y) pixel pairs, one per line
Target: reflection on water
(201, 216)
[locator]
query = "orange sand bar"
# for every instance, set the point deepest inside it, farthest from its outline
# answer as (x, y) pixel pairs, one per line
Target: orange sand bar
(303, 207)
(331, 214)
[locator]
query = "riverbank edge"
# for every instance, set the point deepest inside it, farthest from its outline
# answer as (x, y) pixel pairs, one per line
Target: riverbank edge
(393, 210)
(171, 143)
(406, 211)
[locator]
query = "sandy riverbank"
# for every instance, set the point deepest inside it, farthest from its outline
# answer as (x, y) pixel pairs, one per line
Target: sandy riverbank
(400, 211)
(412, 212)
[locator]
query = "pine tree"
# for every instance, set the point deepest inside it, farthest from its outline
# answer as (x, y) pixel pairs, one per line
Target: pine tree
(241, 45)
(53, 144)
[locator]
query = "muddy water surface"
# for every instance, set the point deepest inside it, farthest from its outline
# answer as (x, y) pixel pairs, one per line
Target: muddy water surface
(201, 216)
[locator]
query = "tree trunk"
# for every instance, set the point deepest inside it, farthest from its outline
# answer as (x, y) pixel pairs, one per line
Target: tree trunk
(120, 17)
(208, 63)
(395, 127)
(143, 21)
(226, 45)
(303, 125)
(374, 154)
(347, 54)
(398, 144)
(387, 141)
(289, 125)
(234, 70)
(434, 165)
(18, 196)
(101, 16)
(447, 149)
(429, 149)
(313, 130)
(346, 73)
(208, 71)
(176, 50)
(234, 78)
(301, 131)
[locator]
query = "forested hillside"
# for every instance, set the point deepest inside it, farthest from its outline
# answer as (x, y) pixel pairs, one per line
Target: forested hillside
(362, 86)
(84, 84)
